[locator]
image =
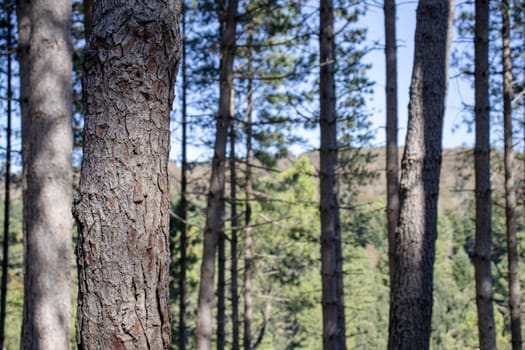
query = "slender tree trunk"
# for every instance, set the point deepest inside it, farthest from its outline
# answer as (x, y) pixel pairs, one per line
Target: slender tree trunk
(48, 176)
(233, 241)
(130, 68)
(392, 167)
(510, 185)
(214, 227)
(248, 239)
(221, 292)
(414, 248)
(88, 17)
(7, 198)
(24, 32)
(183, 194)
(331, 253)
(483, 244)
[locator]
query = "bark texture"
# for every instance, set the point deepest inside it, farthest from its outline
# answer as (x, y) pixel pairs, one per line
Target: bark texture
(510, 185)
(414, 247)
(331, 251)
(215, 202)
(47, 139)
(392, 163)
(131, 63)
(483, 244)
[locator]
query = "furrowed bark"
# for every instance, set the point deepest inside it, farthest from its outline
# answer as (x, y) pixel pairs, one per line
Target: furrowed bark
(414, 247)
(130, 67)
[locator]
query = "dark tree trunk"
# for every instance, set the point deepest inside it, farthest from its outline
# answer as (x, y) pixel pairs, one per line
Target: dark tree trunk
(392, 163)
(233, 241)
(182, 336)
(331, 250)
(414, 248)
(483, 244)
(510, 185)
(214, 227)
(7, 198)
(88, 17)
(131, 63)
(248, 239)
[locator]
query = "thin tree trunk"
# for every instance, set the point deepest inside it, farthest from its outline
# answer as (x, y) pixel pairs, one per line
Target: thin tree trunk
(331, 252)
(414, 248)
(130, 68)
(483, 244)
(214, 227)
(234, 241)
(183, 194)
(88, 17)
(7, 198)
(48, 178)
(392, 163)
(248, 239)
(510, 185)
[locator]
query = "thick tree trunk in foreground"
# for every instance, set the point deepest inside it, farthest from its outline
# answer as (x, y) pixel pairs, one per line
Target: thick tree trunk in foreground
(414, 248)
(483, 245)
(215, 207)
(510, 185)
(392, 165)
(331, 256)
(48, 176)
(131, 63)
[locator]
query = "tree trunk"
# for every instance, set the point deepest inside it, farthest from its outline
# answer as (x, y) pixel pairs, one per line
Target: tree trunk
(215, 203)
(510, 185)
(182, 336)
(248, 239)
(392, 163)
(483, 244)
(130, 68)
(233, 242)
(414, 248)
(7, 198)
(48, 176)
(331, 252)
(88, 17)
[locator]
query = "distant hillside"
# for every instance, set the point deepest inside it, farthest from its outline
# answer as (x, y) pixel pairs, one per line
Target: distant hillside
(457, 180)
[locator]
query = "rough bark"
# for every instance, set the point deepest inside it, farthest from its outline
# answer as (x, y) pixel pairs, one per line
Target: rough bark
(183, 336)
(48, 176)
(131, 63)
(331, 252)
(414, 247)
(483, 244)
(7, 184)
(510, 185)
(214, 226)
(392, 163)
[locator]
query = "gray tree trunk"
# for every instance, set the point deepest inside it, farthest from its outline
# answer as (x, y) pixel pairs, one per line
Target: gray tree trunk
(131, 63)
(392, 162)
(331, 251)
(47, 139)
(483, 244)
(510, 185)
(414, 248)
(215, 203)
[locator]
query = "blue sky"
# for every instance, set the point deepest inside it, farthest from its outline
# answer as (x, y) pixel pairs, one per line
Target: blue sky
(458, 90)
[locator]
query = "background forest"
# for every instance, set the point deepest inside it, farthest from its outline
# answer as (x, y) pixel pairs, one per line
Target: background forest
(268, 289)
